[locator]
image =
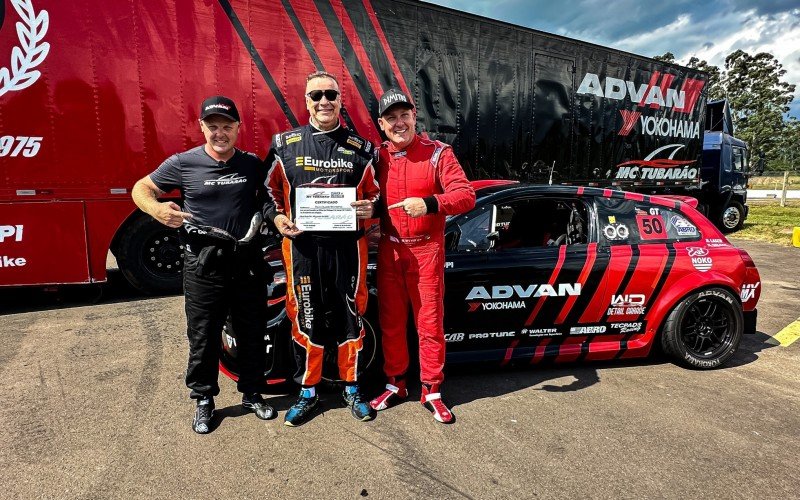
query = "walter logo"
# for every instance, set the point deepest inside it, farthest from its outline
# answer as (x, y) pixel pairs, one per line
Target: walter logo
(31, 49)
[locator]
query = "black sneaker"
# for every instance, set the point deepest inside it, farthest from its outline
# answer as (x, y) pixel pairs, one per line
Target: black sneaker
(255, 403)
(203, 415)
(358, 406)
(302, 409)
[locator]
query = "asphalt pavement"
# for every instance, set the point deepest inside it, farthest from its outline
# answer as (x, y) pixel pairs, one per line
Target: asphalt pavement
(94, 406)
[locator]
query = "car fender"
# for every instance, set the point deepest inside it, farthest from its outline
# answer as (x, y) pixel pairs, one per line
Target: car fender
(670, 297)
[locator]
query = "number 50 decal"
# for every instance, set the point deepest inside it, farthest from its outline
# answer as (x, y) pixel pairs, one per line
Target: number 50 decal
(13, 146)
(651, 227)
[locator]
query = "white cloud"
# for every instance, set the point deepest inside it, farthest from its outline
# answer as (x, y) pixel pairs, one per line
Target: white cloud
(707, 30)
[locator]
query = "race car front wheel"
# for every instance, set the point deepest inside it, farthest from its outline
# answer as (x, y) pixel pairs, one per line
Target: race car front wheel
(704, 329)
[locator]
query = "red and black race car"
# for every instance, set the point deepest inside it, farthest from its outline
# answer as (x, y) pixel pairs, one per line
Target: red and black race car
(570, 273)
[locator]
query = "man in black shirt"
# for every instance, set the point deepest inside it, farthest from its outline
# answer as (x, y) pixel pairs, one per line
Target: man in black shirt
(222, 190)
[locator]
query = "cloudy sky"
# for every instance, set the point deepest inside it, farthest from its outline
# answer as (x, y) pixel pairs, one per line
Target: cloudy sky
(709, 30)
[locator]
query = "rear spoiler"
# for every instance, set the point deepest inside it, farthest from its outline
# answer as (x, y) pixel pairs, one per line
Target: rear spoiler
(689, 200)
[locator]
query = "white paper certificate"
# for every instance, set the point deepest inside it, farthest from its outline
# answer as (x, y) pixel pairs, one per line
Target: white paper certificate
(325, 209)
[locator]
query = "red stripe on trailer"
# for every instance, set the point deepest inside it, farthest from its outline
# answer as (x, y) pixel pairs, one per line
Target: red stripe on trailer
(386, 48)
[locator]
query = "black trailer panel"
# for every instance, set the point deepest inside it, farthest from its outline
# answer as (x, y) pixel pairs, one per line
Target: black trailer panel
(515, 102)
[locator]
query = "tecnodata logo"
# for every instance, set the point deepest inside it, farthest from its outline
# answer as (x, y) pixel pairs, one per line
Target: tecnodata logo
(31, 49)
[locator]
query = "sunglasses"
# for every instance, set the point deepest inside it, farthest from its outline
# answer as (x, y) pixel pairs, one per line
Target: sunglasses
(330, 94)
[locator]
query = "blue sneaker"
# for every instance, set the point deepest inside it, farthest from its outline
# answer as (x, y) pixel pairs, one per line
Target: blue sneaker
(358, 406)
(302, 409)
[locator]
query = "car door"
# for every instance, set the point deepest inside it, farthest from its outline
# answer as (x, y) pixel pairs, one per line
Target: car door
(537, 278)
(467, 239)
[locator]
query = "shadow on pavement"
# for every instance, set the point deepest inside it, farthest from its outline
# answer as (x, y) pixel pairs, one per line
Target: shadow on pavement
(749, 348)
(45, 298)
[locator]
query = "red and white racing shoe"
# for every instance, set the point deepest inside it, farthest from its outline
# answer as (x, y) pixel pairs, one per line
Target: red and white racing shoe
(432, 399)
(394, 393)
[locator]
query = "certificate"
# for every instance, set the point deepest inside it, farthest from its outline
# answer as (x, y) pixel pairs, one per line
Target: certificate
(325, 209)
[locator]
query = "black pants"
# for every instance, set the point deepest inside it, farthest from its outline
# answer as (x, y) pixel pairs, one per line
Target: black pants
(325, 303)
(235, 284)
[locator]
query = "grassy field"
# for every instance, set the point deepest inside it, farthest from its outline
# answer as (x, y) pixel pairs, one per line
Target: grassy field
(773, 182)
(768, 221)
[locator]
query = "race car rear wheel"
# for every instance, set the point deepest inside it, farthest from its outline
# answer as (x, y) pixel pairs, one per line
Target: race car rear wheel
(704, 329)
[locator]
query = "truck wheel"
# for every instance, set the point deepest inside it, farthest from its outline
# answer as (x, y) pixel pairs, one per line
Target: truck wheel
(704, 329)
(150, 256)
(732, 217)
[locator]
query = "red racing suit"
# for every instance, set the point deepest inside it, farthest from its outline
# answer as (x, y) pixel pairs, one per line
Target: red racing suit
(411, 250)
(326, 270)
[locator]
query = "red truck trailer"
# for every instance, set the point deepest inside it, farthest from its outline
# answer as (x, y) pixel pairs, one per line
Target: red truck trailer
(94, 94)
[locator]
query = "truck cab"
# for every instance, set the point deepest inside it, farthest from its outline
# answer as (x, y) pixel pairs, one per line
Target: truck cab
(725, 170)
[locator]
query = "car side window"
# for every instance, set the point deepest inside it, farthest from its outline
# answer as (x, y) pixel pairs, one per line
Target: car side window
(540, 222)
(475, 228)
(625, 222)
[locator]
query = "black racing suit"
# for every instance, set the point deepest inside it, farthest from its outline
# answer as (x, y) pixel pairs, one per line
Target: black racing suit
(220, 276)
(326, 270)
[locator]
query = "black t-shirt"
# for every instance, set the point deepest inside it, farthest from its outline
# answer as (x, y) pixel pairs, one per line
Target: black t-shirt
(225, 195)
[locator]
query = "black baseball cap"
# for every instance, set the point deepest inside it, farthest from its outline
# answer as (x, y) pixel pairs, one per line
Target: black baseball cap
(219, 105)
(391, 98)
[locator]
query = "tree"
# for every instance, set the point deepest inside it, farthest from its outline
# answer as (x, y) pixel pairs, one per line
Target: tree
(787, 156)
(714, 85)
(668, 57)
(759, 99)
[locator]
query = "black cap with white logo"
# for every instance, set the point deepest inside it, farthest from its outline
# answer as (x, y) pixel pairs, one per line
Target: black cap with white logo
(393, 97)
(219, 105)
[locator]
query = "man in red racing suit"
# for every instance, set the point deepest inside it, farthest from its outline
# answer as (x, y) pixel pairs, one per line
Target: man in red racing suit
(421, 183)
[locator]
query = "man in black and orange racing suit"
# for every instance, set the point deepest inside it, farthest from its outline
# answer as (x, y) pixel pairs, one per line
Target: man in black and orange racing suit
(326, 270)
(421, 183)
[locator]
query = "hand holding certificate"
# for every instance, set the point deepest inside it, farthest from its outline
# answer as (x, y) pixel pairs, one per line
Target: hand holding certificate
(325, 209)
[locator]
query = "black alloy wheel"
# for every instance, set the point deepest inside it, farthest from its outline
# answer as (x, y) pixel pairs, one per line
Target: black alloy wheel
(704, 329)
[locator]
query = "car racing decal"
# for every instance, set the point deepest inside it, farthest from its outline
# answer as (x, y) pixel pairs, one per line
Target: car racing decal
(629, 272)
(663, 275)
(590, 280)
(562, 253)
